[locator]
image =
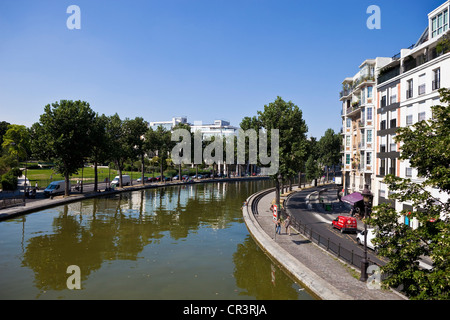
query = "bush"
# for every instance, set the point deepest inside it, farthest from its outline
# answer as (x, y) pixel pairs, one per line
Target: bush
(9, 179)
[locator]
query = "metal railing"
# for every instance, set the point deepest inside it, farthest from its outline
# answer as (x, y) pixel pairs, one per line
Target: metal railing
(336, 249)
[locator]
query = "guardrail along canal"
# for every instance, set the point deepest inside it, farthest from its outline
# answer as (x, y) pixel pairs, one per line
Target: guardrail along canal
(178, 242)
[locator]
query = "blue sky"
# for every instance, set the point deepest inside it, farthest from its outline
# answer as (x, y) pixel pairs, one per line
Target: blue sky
(204, 59)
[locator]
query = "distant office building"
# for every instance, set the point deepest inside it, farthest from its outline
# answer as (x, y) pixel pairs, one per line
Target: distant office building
(218, 128)
(168, 124)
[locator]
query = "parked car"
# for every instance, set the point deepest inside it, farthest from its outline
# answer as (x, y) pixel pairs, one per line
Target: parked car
(345, 224)
(370, 237)
(145, 179)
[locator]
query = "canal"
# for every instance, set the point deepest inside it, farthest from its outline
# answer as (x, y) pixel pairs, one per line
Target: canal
(178, 242)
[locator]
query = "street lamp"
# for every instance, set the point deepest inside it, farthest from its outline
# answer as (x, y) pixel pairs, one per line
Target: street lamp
(367, 198)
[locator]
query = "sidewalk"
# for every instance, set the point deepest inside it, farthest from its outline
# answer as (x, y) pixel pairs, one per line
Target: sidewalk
(320, 272)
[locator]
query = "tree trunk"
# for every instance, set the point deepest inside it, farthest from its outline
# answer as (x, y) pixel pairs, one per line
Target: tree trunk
(143, 169)
(300, 180)
(67, 187)
(95, 177)
(162, 170)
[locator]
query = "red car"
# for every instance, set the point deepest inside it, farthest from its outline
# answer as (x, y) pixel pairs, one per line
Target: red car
(345, 224)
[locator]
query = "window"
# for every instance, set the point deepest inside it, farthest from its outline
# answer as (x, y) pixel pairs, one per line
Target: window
(408, 172)
(421, 116)
(436, 79)
(382, 167)
(347, 141)
(368, 158)
(409, 90)
(421, 89)
(347, 159)
(369, 92)
(369, 136)
(439, 24)
(349, 123)
(409, 120)
(393, 92)
(369, 114)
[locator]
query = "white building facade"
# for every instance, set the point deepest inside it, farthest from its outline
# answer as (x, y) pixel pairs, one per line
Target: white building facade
(407, 88)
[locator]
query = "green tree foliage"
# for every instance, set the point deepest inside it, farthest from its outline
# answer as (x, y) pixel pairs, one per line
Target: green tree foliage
(16, 141)
(312, 168)
(160, 141)
(426, 146)
(329, 149)
(288, 118)
(63, 134)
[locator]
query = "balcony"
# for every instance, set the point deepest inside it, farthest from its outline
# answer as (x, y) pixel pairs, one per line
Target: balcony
(345, 93)
(354, 109)
(388, 73)
(370, 78)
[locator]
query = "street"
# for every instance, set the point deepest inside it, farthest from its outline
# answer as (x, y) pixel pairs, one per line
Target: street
(310, 213)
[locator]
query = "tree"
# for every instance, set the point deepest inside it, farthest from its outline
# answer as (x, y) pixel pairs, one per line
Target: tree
(288, 119)
(161, 142)
(312, 168)
(135, 130)
(426, 146)
(63, 136)
(329, 149)
(100, 150)
(16, 141)
(3, 128)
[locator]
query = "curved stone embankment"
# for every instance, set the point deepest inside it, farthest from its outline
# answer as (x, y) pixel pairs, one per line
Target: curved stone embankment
(301, 273)
(321, 273)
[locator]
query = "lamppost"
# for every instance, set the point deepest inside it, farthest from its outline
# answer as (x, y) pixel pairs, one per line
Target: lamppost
(277, 197)
(367, 198)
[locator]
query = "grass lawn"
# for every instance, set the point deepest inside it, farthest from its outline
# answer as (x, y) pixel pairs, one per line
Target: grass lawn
(45, 176)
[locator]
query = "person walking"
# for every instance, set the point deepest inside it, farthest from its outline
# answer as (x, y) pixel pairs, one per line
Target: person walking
(287, 222)
(278, 226)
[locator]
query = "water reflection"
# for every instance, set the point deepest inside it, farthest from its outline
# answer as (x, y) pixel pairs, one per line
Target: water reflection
(150, 244)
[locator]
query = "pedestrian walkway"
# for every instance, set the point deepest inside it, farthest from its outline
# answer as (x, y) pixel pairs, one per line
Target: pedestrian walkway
(323, 274)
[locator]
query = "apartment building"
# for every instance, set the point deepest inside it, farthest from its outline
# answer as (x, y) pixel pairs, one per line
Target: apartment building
(406, 90)
(359, 101)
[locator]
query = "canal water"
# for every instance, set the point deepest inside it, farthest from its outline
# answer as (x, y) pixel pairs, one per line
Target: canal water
(179, 242)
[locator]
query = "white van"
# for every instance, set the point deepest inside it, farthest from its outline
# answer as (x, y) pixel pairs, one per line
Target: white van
(126, 181)
(55, 187)
(370, 237)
